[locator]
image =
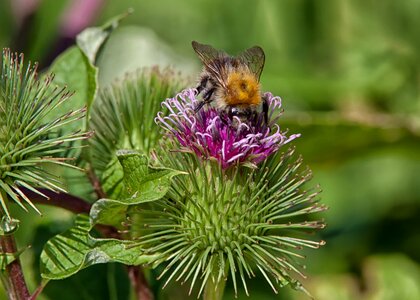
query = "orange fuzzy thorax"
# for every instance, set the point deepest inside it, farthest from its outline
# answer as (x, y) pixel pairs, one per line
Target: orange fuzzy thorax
(242, 88)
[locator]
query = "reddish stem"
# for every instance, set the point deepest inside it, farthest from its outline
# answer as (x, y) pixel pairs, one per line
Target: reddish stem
(16, 289)
(97, 187)
(69, 202)
(139, 283)
(38, 291)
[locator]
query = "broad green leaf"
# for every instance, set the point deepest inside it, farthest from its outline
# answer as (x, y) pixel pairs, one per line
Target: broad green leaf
(75, 249)
(73, 69)
(143, 183)
(91, 39)
(112, 179)
(109, 212)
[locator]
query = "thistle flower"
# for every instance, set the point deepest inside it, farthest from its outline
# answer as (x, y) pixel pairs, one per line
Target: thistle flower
(212, 224)
(212, 135)
(31, 132)
(222, 220)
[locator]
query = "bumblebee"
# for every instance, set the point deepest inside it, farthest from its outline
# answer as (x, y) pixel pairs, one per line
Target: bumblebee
(232, 82)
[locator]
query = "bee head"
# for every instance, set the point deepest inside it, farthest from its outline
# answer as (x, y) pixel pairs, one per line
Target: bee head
(242, 89)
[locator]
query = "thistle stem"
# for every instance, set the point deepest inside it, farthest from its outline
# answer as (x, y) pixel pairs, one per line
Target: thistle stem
(69, 202)
(139, 283)
(38, 290)
(214, 290)
(96, 184)
(12, 276)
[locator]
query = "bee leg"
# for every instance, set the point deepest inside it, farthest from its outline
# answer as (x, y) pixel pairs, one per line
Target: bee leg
(225, 116)
(255, 117)
(208, 94)
(206, 99)
(265, 109)
(199, 106)
(229, 113)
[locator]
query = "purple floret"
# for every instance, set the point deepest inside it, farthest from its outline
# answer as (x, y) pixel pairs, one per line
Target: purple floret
(210, 133)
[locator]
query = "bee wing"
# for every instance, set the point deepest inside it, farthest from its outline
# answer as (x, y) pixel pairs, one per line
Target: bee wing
(254, 58)
(210, 57)
(207, 53)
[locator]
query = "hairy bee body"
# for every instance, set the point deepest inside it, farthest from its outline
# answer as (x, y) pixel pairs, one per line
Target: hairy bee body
(232, 83)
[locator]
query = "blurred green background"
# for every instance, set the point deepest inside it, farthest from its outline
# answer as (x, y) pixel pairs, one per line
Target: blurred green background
(348, 72)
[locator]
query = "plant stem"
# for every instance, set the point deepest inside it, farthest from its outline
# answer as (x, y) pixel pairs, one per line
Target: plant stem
(13, 278)
(139, 283)
(39, 290)
(96, 184)
(69, 202)
(214, 290)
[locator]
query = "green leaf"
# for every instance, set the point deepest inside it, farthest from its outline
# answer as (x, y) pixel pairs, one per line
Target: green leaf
(143, 183)
(75, 249)
(109, 212)
(91, 39)
(112, 179)
(73, 69)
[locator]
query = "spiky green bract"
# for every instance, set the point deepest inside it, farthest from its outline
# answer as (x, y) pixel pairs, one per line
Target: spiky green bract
(123, 115)
(215, 223)
(30, 138)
